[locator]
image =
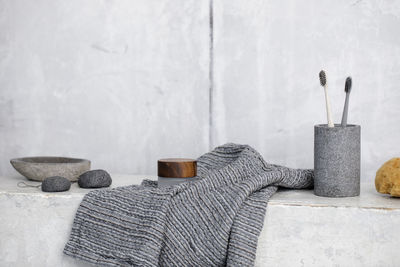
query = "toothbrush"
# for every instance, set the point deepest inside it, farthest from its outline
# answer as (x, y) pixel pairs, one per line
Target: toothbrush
(322, 79)
(347, 89)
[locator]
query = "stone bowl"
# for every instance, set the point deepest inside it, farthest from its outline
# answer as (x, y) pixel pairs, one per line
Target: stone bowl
(39, 168)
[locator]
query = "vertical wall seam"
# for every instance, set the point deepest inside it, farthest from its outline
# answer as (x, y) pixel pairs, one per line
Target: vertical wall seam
(211, 76)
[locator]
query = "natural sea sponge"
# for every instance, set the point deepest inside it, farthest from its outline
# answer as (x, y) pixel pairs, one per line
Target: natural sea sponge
(387, 180)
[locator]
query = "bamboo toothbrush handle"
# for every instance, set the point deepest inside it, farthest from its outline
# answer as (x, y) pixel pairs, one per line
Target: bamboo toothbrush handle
(328, 108)
(345, 111)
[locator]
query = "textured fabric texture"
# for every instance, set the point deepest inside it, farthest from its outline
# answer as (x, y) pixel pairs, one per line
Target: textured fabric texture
(214, 221)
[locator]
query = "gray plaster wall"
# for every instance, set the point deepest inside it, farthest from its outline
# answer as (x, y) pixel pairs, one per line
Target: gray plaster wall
(124, 83)
(121, 83)
(267, 55)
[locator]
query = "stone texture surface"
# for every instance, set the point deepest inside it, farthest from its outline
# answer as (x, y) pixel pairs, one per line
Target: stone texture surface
(35, 225)
(39, 168)
(95, 179)
(122, 83)
(56, 184)
(135, 74)
(267, 55)
(337, 160)
(387, 180)
(306, 230)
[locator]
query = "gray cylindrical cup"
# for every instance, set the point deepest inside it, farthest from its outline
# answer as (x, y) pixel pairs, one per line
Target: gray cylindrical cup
(337, 160)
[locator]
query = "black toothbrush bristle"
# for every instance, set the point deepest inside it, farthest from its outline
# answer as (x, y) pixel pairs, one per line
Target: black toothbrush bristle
(322, 77)
(347, 87)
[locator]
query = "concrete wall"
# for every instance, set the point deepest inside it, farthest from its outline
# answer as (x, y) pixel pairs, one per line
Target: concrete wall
(126, 82)
(119, 82)
(267, 55)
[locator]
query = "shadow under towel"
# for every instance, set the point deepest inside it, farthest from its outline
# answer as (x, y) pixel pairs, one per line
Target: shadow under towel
(214, 221)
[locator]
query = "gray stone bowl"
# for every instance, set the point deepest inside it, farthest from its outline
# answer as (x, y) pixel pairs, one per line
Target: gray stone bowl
(39, 168)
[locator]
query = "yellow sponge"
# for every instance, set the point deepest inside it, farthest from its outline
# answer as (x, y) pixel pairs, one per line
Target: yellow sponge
(387, 180)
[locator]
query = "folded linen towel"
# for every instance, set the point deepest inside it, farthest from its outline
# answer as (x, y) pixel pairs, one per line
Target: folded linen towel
(214, 221)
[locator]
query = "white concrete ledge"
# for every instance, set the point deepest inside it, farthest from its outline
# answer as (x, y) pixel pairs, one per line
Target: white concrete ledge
(300, 228)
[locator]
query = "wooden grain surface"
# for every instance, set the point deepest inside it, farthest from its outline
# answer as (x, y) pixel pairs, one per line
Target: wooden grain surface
(177, 167)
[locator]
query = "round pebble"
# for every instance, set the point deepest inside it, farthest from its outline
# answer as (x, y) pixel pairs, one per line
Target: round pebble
(56, 184)
(95, 179)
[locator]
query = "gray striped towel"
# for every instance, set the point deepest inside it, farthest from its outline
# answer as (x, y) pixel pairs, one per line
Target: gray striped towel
(214, 221)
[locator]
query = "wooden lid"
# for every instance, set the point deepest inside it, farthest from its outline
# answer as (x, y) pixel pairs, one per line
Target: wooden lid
(177, 168)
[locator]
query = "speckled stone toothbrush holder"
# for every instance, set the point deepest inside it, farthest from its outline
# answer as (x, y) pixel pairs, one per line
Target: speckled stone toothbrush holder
(337, 160)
